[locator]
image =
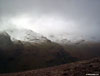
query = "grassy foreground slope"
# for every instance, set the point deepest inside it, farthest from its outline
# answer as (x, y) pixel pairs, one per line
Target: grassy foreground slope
(80, 68)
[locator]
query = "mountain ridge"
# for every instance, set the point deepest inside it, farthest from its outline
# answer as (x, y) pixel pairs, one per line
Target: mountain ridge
(26, 35)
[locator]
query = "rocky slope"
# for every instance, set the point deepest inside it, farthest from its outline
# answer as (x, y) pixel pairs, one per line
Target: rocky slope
(82, 68)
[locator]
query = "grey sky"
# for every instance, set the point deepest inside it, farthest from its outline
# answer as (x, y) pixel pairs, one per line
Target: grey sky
(76, 16)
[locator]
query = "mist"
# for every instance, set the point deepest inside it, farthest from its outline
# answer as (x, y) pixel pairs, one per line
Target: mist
(73, 19)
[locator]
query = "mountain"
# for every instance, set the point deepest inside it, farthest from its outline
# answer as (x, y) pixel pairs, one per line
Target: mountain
(26, 35)
(27, 55)
(79, 47)
(65, 38)
(70, 38)
(23, 50)
(89, 67)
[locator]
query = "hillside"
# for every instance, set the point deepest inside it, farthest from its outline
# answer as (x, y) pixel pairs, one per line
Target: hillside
(79, 47)
(80, 68)
(83, 49)
(19, 55)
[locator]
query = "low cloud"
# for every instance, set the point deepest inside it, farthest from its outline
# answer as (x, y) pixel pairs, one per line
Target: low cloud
(80, 18)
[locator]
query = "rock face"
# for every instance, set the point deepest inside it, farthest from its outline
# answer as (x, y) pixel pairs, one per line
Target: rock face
(81, 68)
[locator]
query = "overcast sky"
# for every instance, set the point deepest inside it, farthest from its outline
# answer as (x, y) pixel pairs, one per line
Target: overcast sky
(80, 17)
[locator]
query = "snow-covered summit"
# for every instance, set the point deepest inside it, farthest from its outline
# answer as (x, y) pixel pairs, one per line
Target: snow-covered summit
(26, 35)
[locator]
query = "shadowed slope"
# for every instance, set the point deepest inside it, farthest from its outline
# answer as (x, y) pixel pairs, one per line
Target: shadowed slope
(21, 56)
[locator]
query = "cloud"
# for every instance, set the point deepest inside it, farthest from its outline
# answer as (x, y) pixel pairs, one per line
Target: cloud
(52, 16)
